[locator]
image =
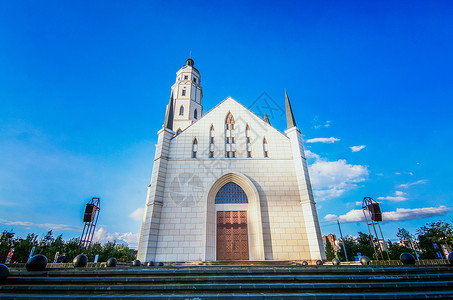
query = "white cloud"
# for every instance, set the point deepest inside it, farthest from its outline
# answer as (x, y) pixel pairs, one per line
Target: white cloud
(406, 185)
(359, 203)
(102, 235)
(330, 179)
(323, 140)
(137, 214)
(43, 225)
(401, 214)
(399, 197)
(397, 173)
(357, 148)
(309, 154)
(326, 124)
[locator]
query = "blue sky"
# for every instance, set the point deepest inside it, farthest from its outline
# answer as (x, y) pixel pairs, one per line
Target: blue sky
(84, 84)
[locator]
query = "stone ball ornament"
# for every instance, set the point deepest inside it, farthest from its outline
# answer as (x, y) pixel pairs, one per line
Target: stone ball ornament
(335, 262)
(319, 262)
(150, 264)
(80, 261)
(111, 262)
(450, 258)
(407, 259)
(160, 264)
(136, 263)
(304, 263)
(36, 263)
(4, 273)
(365, 260)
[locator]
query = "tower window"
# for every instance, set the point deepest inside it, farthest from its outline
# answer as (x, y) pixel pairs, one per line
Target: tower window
(248, 140)
(227, 140)
(212, 140)
(195, 79)
(179, 131)
(211, 154)
(232, 140)
(195, 114)
(249, 153)
(186, 77)
(183, 93)
(181, 110)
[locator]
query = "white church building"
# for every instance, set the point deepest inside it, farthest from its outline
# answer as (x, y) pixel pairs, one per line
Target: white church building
(226, 185)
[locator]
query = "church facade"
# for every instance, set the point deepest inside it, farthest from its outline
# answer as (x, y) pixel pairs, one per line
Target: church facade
(226, 185)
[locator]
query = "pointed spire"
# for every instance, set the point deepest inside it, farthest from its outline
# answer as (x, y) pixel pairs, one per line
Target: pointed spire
(266, 119)
(168, 123)
(290, 121)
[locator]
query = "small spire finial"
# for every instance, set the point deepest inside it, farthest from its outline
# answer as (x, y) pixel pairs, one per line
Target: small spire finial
(290, 121)
(190, 54)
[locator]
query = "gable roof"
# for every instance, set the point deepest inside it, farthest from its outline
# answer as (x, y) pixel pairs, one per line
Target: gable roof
(243, 106)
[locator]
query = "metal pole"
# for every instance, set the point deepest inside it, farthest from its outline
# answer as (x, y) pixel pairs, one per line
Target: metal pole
(342, 239)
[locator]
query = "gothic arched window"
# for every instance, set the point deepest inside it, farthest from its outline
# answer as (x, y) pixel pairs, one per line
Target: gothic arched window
(230, 146)
(195, 113)
(231, 193)
(178, 131)
(181, 110)
(265, 148)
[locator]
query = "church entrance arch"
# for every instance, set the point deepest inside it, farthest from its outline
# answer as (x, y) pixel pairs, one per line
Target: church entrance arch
(233, 228)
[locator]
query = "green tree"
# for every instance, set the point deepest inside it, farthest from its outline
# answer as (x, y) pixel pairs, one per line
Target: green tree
(6, 243)
(330, 253)
(437, 232)
(395, 250)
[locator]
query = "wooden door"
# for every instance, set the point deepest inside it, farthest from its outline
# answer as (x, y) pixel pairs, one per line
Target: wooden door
(232, 235)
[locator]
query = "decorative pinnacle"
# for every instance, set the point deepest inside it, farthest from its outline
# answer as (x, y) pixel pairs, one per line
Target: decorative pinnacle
(290, 121)
(168, 123)
(266, 119)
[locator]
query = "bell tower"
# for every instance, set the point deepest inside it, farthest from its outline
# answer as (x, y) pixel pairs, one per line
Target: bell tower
(187, 94)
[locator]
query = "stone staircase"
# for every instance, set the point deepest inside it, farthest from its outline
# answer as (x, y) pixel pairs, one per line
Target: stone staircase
(277, 280)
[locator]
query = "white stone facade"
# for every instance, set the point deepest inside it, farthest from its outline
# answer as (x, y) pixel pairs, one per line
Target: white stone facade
(180, 217)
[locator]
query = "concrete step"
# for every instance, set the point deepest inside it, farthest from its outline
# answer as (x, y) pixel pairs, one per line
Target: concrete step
(230, 279)
(226, 281)
(267, 288)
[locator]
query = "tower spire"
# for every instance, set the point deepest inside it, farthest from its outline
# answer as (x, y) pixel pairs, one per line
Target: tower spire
(168, 123)
(290, 121)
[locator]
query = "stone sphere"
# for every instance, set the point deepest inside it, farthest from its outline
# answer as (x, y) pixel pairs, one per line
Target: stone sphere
(80, 261)
(136, 263)
(36, 263)
(319, 262)
(450, 258)
(4, 272)
(150, 264)
(304, 263)
(111, 262)
(365, 260)
(335, 261)
(161, 264)
(407, 258)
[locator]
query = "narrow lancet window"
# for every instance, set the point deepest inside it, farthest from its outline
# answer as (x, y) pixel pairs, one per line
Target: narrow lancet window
(265, 148)
(181, 110)
(248, 140)
(194, 148)
(195, 114)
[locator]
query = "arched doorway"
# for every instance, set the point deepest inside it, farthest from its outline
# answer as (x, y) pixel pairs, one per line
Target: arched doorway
(231, 184)
(232, 234)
